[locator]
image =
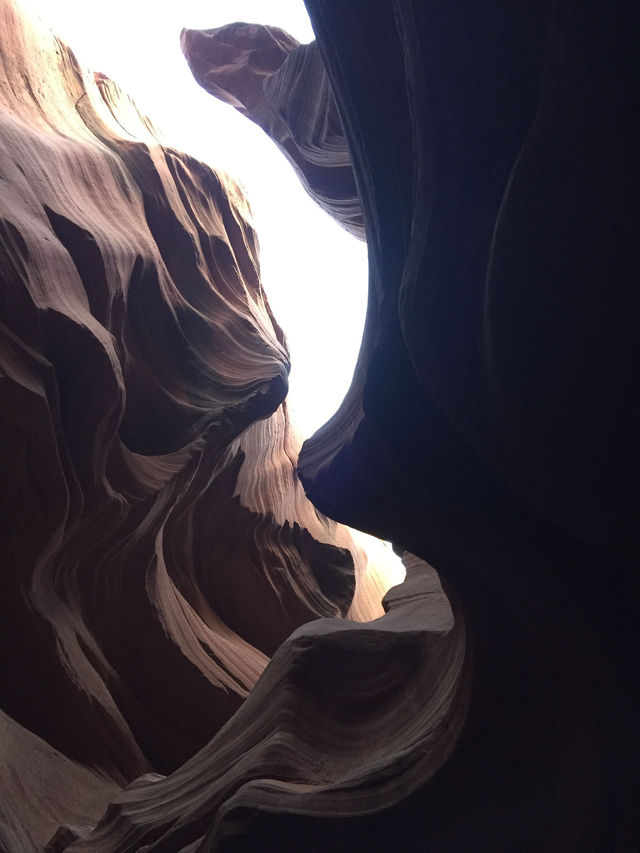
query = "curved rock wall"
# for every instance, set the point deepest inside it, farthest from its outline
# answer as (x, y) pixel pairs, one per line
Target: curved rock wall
(492, 424)
(283, 87)
(157, 545)
(331, 729)
(491, 429)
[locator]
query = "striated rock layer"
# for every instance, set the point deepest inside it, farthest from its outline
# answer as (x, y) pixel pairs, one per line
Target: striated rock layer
(157, 547)
(491, 430)
(492, 425)
(330, 729)
(283, 87)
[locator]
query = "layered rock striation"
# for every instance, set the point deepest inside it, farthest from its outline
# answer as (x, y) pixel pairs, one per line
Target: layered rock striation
(330, 729)
(492, 425)
(157, 546)
(283, 87)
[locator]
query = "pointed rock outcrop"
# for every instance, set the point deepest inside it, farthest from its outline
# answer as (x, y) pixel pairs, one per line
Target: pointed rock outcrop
(283, 87)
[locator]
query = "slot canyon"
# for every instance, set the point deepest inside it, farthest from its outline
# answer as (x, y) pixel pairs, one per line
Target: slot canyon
(202, 647)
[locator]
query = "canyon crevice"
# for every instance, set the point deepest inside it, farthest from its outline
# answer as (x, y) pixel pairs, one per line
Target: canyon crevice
(197, 653)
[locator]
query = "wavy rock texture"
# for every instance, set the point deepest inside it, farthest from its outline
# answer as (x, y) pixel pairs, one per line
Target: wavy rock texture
(157, 545)
(283, 87)
(492, 427)
(330, 729)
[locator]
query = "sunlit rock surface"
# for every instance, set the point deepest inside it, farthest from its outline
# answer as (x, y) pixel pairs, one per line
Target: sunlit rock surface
(157, 546)
(283, 87)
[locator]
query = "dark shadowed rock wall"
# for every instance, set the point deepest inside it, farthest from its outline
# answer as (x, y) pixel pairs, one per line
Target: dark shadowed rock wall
(492, 425)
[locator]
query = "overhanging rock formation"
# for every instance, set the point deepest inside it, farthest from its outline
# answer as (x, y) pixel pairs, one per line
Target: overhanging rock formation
(283, 87)
(491, 429)
(493, 423)
(492, 426)
(347, 719)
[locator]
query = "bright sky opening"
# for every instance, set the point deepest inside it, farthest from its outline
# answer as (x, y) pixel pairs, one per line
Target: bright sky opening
(314, 272)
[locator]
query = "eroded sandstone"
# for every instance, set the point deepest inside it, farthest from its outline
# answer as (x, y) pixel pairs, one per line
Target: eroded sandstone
(491, 430)
(157, 545)
(283, 87)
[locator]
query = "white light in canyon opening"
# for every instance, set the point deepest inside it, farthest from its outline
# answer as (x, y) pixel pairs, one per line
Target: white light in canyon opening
(314, 273)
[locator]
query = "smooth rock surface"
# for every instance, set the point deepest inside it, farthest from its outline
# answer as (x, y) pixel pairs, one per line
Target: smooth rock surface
(492, 426)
